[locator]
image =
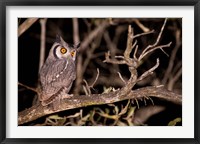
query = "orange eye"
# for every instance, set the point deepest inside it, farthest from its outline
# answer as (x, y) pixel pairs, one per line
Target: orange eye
(72, 53)
(63, 50)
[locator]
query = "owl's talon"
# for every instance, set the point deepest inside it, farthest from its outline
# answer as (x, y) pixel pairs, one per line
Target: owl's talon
(67, 96)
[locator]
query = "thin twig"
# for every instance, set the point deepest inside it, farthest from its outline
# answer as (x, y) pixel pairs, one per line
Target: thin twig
(149, 48)
(120, 76)
(113, 61)
(151, 100)
(86, 88)
(135, 52)
(137, 103)
(145, 29)
(172, 58)
(92, 85)
(29, 88)
(142, 34)
(174, 79)
(145, 74)
(161, 31)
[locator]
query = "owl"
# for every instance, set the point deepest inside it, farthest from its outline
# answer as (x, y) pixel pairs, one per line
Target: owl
(58, 72)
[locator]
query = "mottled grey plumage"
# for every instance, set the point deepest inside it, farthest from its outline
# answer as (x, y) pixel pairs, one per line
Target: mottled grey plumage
(58, 72)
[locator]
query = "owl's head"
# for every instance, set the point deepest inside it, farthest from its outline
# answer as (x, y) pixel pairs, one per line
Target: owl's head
(63, 50)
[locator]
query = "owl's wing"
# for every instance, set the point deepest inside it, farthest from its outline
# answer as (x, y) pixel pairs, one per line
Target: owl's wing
(54, 75)
(50, 70)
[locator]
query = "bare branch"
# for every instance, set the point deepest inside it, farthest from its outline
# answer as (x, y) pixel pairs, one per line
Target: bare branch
(113, 61)
(153, 47)
(150, 50)
(42, 44)
(79, 77)
(161, 31)
(135, 52)
(82, 65)
(88, 87)
(174, 79)
(173, 56)
(38, 111)
(93, 34)
(142, 34)
(145, 29)
(25, 25)
(147, 73)
(144, 113)
(129, 43)
(75, 31)
(121, 77)
(29, 88)
(76, 40)
(92, 85)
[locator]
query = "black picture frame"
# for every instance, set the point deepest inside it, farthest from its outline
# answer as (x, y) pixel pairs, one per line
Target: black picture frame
(5, 3)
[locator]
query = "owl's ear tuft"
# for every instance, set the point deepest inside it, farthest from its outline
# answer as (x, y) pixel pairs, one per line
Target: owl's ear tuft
(58, 38)
(77, 45)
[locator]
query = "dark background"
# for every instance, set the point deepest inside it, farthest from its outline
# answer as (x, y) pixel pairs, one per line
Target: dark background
(29, 52)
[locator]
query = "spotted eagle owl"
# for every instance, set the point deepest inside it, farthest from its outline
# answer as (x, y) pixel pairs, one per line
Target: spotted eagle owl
(58, 72)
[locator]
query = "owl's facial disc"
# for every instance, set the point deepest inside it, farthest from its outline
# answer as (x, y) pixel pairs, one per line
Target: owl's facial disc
(65, 53)
(63, 50)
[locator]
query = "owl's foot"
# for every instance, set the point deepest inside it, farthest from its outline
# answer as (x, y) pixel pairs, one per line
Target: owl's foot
(65, 96)
(56, 103)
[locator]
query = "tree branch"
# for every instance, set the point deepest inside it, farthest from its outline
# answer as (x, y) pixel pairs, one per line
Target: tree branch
(43, 41)
(38, 111)
(99, 29)
(25, 25)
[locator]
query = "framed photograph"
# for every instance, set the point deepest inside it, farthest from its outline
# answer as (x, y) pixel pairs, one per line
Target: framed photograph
(99, 71)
